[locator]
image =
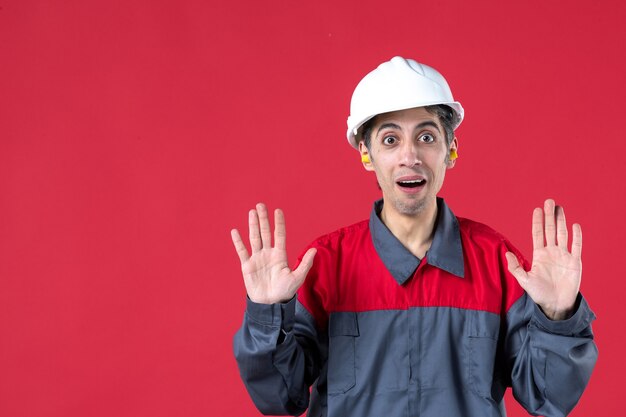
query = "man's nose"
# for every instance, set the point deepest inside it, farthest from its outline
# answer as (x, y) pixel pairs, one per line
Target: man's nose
(410, 154)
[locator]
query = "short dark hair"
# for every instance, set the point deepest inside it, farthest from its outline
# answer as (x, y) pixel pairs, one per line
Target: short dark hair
(447, 117)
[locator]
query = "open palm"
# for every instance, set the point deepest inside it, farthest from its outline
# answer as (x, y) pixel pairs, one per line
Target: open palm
(266, 273)
(553, 281)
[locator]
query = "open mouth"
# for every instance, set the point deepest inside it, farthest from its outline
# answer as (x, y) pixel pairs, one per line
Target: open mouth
(411, 183)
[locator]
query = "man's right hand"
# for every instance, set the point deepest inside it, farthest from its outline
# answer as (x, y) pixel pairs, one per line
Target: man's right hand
(266, 273)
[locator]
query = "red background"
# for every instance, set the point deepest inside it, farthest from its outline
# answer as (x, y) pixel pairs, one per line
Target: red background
(135, 134)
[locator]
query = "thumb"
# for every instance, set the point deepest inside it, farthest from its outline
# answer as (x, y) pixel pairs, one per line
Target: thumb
(305, 265)
(515, 268)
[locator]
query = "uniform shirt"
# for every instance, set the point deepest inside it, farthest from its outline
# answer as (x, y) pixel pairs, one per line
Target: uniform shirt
(379, 332)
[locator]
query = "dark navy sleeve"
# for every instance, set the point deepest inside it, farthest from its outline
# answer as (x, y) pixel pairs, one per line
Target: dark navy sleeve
(550, 361)
(278, 355)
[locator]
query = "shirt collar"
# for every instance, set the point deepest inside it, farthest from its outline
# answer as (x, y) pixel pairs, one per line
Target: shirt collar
(446, 251)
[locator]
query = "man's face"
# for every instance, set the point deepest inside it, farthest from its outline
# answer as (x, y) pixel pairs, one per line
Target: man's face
(408, 152)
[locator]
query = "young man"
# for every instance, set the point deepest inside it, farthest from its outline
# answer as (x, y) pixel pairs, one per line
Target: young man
(415, 312)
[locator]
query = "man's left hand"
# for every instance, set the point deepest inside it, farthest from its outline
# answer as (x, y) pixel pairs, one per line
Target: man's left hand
(554, 278)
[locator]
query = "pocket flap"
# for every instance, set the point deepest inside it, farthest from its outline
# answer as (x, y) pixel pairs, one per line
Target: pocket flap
(483, 324)
(343, 324)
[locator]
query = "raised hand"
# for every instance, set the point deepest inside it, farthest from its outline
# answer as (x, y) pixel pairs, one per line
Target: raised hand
(266, 272)
(554, 278)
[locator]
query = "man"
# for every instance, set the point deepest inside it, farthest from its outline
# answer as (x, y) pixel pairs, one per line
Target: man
(415, 312)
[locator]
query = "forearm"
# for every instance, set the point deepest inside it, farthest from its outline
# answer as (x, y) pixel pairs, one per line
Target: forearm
(551, 361)
(277, 360)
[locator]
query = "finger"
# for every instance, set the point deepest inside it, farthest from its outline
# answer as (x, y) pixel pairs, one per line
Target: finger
(549, 221)
(561, 228)
(264, 222)
(239, 246)
(305, 265)
(577, 241)
(537, 229)
(280, 235)
(253, 225)
(516, 269)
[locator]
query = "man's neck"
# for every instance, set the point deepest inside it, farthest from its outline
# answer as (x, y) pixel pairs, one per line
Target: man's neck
(414, 231)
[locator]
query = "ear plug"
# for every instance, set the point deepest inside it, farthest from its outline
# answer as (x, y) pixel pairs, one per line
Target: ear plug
(365, 159)
(453, 154)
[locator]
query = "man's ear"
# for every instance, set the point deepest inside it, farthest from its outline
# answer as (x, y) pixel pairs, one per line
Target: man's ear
(453, 153)
(366, 160)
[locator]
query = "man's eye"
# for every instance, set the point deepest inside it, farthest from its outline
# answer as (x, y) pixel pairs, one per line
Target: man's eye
(427, 138)
(389, 140)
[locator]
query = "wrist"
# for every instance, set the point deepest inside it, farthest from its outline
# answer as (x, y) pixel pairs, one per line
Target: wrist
(268, 300)
(556, 314)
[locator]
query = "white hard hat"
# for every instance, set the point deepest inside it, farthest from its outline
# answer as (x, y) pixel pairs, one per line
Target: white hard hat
(398, 84)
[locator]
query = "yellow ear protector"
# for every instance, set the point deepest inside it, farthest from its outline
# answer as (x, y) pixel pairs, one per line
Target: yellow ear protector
(365, 158)
(453, 154)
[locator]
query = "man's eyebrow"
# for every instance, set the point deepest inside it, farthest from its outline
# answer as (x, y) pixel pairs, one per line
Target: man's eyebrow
(387, 126)
(427, 123)
(419, 126)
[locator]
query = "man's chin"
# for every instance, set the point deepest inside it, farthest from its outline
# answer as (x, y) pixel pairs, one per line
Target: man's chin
(409, 208)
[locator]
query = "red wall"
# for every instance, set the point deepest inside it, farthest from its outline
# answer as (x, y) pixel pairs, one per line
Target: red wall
(135, 134)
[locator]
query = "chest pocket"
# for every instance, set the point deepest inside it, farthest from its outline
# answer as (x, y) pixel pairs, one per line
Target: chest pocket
(482, 343)
(343, 329)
